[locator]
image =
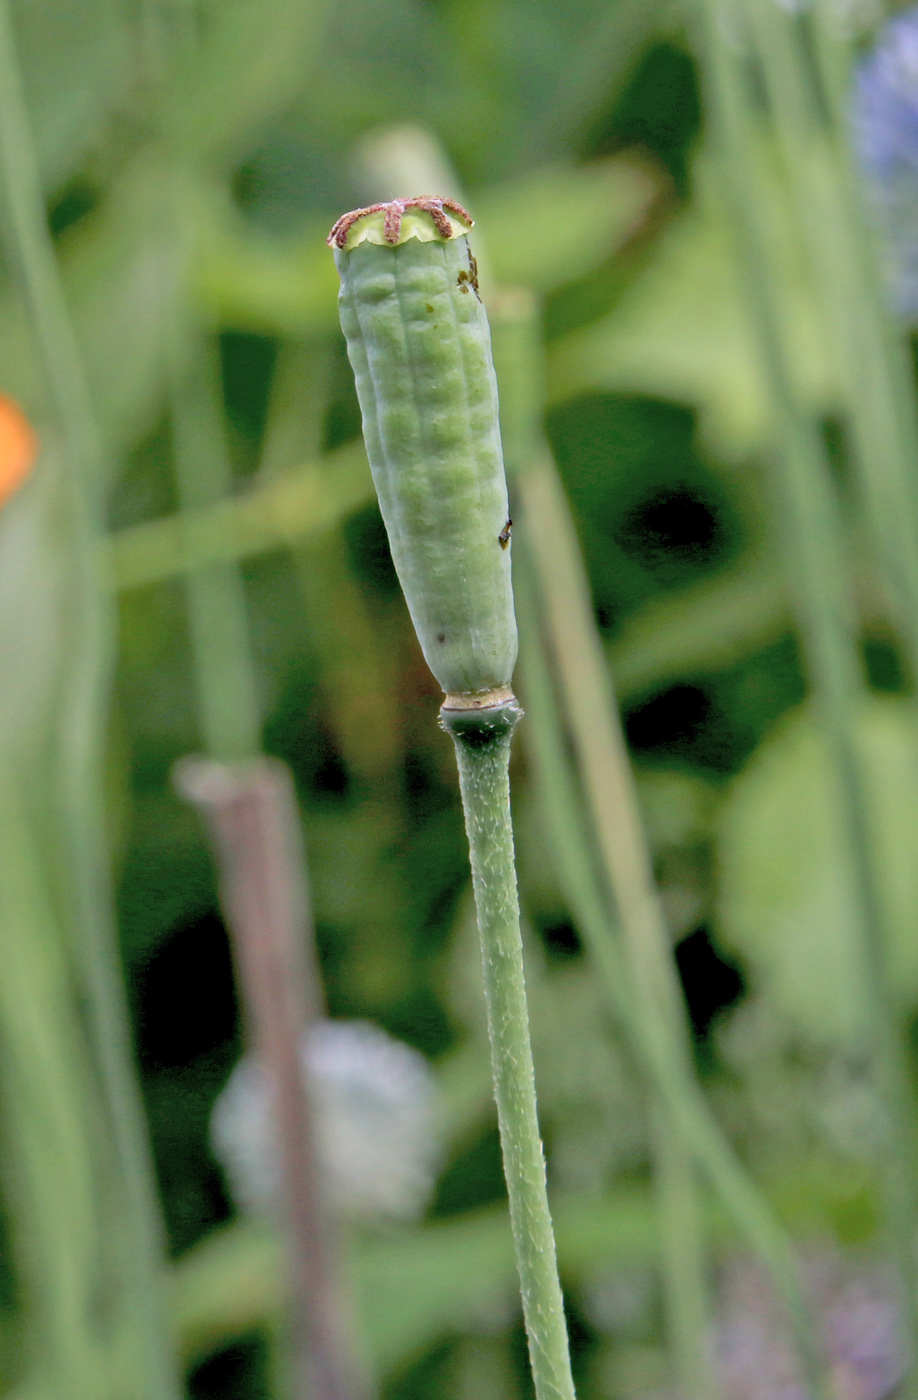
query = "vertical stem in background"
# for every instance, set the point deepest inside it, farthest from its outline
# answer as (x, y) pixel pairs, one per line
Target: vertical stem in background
(482, 739)
(877, 378)
(252, 815)
(220, 635)
(49, 1159)
(83, 719)
(606, 775)
(817, 558)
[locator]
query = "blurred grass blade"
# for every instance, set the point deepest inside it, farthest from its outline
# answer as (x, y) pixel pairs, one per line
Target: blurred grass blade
(817, 561)
(82, 725)
(51, 1147)
(605, 775)
(243, 64)
(880, 400)
(226, 687)
(702, 628)
(75, 83)
(597, 71)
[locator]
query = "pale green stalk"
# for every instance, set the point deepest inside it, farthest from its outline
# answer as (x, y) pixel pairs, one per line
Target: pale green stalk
(482, 740)
(818, 563)
(226, 686)
(83, 723)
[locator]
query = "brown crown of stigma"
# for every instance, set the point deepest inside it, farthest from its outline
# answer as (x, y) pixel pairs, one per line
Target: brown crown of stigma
(392, 224)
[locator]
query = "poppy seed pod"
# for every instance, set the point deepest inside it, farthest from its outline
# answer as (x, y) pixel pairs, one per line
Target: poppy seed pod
(419, 344)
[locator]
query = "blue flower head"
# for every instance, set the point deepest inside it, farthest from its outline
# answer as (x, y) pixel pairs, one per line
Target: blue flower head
(885, 117)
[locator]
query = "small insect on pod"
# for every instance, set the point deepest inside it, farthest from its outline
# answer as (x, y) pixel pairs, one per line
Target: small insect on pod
(419, 343)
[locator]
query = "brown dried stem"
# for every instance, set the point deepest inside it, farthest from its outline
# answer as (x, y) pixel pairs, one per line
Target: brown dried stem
(250, 810)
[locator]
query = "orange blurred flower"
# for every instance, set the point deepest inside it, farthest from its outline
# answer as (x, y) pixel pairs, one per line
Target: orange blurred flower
(18, 447)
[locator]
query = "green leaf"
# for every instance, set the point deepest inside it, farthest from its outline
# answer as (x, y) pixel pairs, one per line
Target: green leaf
(123, 267)
(410, 1288)
(76, 62)
(683, 332)
(560, 223)
(253, 57)
(255, 282)
(786, 901)
(266, 284)
(704, 627)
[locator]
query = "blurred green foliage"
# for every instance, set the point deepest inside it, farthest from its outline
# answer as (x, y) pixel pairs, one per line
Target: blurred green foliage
(193, 157)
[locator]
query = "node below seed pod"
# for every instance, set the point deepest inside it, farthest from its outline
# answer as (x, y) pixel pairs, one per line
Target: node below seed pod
(478, 725)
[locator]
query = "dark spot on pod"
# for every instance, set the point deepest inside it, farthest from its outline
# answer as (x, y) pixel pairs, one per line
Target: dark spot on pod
(429, 307)
(441, 636)
(463, 281)
(503, 539)
(473, 274)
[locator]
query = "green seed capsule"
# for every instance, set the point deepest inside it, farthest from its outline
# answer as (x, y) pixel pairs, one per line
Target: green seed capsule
(418, 340)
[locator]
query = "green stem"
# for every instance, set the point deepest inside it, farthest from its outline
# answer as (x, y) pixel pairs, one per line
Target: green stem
(816, 549)
(82, 722)
(482, 740)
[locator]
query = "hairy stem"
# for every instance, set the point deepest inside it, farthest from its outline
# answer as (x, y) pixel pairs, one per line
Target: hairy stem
(482, 740)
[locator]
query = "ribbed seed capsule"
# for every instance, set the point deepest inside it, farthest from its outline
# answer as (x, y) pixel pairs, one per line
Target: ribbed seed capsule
(419, 344)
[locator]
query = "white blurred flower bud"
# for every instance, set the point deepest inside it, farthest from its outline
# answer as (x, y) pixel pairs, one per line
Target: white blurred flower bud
(375, 1115)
